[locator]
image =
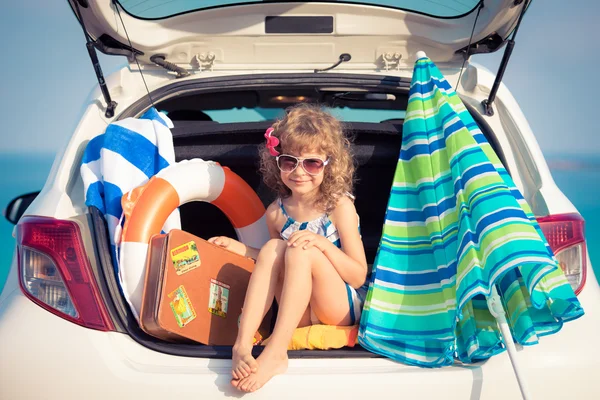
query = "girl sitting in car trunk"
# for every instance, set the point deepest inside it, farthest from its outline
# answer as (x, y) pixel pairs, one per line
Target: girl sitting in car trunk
(314, 264)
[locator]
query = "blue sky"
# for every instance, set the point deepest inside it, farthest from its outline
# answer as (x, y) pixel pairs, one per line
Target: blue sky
(47, 74)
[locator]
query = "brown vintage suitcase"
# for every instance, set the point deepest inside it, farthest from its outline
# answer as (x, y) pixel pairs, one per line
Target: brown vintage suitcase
(193, 290)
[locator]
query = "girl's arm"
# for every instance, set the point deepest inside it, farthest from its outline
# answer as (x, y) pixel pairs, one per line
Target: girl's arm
(239, 247)
(349, 261)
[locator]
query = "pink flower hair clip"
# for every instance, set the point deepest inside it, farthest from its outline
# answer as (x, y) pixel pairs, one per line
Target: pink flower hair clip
(272, 142)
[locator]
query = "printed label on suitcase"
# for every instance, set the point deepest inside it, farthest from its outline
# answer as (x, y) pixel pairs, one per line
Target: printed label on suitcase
(185, 257)
(182, 307)
(219, 297)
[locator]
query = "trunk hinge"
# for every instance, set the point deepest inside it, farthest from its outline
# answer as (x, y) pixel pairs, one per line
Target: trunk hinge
(510, 44)
(110, 104)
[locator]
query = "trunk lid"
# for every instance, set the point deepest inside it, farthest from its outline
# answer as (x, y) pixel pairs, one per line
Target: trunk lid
(378, 35)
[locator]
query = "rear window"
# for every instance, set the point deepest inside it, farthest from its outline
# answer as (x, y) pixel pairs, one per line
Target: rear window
(156, 9)
(346, 104)
(266, 114)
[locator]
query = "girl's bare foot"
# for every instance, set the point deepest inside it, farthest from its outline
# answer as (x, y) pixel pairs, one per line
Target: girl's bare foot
(271, 364)
(242, 363)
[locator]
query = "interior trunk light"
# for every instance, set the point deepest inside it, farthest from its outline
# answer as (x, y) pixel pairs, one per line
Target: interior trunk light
(289, 99)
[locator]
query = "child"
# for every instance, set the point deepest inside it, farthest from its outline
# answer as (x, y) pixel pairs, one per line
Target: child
(315, 269)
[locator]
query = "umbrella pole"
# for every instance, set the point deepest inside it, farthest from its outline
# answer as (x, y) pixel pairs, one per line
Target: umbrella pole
(497, 310)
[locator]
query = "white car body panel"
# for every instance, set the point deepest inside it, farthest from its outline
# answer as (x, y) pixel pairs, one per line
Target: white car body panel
(45, 354)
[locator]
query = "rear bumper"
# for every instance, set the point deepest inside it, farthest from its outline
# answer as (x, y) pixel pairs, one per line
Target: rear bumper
(44, 356)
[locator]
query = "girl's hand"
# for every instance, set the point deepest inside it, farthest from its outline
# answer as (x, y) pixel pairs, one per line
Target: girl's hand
(234, 246)
(222, 241)
(229, 244)
(308, 239)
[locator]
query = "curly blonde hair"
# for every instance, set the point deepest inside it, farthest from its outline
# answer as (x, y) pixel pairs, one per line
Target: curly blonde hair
(310, 128)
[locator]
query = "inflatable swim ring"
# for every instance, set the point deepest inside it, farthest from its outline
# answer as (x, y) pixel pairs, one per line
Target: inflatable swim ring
(146, 208)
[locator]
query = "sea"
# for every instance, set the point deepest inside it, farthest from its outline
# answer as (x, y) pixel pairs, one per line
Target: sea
(578, 176)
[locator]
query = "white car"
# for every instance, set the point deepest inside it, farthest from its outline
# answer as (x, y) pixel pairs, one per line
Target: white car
(223, 70)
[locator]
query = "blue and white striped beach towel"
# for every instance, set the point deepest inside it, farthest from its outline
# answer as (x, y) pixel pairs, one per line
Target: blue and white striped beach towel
(126, 156)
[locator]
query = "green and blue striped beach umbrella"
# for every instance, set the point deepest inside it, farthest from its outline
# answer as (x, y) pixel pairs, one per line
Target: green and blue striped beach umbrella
(456, 226)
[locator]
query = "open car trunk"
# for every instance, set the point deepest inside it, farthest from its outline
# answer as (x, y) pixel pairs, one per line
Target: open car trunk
(376, 147)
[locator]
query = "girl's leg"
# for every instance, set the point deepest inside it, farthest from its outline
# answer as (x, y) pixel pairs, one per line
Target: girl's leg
(309, 279)
(259, 298)
(306, 318)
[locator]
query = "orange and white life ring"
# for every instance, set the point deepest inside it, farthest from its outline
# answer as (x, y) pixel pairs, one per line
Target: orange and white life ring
(147, 207)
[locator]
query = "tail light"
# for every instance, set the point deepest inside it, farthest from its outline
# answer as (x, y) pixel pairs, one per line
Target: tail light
(56, 274)
(566, 236)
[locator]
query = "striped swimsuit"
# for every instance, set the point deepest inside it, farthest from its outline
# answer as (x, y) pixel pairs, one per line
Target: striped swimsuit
(323, 226)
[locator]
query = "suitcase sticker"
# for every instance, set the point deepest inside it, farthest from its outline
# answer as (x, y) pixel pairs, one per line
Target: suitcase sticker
(219, 297)
(185, 257)
(181, 306)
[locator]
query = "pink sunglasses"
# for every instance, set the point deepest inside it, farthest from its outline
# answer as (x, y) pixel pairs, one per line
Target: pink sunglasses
(312, 165)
